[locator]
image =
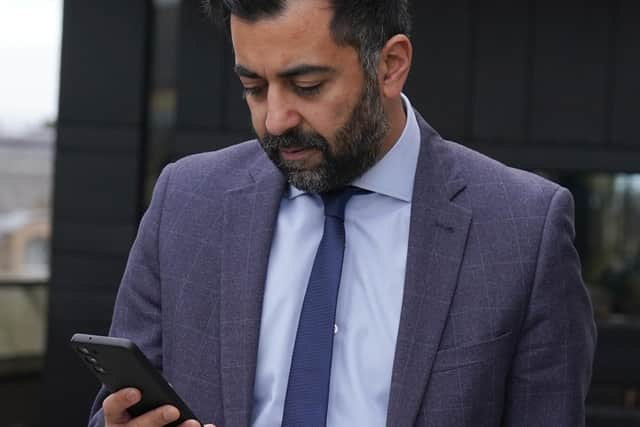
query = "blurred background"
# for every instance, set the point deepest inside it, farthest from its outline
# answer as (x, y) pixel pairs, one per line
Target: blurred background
(97, 96)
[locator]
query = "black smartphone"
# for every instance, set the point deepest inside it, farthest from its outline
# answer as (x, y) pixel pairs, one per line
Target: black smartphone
(118, 363)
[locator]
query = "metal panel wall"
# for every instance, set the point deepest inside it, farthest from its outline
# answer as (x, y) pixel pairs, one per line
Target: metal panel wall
(97, 185)
(536, 83)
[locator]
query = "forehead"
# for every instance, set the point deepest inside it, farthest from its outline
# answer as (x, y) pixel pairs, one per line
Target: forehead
(299, 34)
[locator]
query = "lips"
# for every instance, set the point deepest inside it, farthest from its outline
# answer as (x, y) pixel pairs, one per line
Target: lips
(292, 150)
(294, 153)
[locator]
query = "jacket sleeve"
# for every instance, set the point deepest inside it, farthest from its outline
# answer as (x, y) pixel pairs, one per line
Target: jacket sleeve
(551, 368)
(137, 311)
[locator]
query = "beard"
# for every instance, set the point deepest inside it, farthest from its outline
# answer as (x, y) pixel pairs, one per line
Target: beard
(357, 147)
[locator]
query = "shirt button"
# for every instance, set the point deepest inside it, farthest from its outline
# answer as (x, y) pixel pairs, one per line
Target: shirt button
(335, 328)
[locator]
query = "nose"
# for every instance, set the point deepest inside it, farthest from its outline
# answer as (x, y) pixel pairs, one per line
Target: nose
(281, 114)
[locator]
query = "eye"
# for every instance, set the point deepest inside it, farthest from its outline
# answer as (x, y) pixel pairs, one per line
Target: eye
(252, 91)
(307, 90)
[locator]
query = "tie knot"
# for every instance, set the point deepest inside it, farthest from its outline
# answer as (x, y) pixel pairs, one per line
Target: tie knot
(336, 201)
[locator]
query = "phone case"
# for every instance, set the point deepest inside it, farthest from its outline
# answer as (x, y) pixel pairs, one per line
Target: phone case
(118, 363)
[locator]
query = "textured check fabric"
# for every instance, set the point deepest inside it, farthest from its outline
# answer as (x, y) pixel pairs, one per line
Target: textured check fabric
(308, 388)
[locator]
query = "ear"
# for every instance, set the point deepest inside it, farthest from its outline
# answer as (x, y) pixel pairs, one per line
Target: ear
(394, 65)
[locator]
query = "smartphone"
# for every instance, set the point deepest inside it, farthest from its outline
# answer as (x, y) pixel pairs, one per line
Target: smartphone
(118, 363)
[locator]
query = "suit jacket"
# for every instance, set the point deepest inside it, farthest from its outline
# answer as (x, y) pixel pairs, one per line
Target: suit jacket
(496, 327)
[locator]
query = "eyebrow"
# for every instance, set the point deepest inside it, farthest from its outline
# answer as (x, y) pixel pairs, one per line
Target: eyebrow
(297, 71)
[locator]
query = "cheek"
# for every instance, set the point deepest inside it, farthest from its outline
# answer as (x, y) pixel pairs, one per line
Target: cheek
(326, 120)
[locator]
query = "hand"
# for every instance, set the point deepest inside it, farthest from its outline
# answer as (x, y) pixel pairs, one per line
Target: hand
(116, 415)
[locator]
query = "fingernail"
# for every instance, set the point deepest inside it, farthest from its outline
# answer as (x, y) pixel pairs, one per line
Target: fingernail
(170, 413)
(131, 395)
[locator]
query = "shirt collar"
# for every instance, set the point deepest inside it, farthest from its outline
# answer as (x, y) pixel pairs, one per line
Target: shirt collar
(394, 174)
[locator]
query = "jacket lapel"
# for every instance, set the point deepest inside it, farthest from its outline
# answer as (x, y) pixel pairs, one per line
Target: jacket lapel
(438, 234)
(250, 213)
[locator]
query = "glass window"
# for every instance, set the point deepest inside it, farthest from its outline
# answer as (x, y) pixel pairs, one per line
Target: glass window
(30, 36)
(612, 243)
(607, 221)
(608, 239)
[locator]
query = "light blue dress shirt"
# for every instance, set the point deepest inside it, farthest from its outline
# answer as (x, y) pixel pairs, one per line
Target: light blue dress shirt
(370, 297)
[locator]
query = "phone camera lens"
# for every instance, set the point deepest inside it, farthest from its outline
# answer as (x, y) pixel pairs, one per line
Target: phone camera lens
(91, 359)
(84, 350)
(99, 369)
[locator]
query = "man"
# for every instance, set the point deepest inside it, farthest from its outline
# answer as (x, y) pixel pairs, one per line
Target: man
(460, 297)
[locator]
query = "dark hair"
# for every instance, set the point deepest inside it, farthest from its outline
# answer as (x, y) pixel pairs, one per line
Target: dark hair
(366, 25)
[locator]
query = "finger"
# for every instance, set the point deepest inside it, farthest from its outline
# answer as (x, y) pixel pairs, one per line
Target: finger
(194, 423)
(116, 404)
(158, 417)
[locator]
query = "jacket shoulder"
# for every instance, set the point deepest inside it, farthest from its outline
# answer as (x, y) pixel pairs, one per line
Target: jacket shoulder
(480, 168)
(227, 167)
(242, 156)
(495, 187)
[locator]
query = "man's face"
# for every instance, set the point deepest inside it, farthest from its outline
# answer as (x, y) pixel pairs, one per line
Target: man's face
(319, 119)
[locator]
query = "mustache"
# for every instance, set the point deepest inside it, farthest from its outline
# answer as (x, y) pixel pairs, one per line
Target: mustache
(295, 138)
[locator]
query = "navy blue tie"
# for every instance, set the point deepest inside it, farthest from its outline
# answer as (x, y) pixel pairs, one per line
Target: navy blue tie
(308, 389)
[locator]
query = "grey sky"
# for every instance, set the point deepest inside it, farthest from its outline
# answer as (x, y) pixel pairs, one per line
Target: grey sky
(30, 34)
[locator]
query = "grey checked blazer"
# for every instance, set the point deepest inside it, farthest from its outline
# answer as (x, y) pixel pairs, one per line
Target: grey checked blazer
(496, 326)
